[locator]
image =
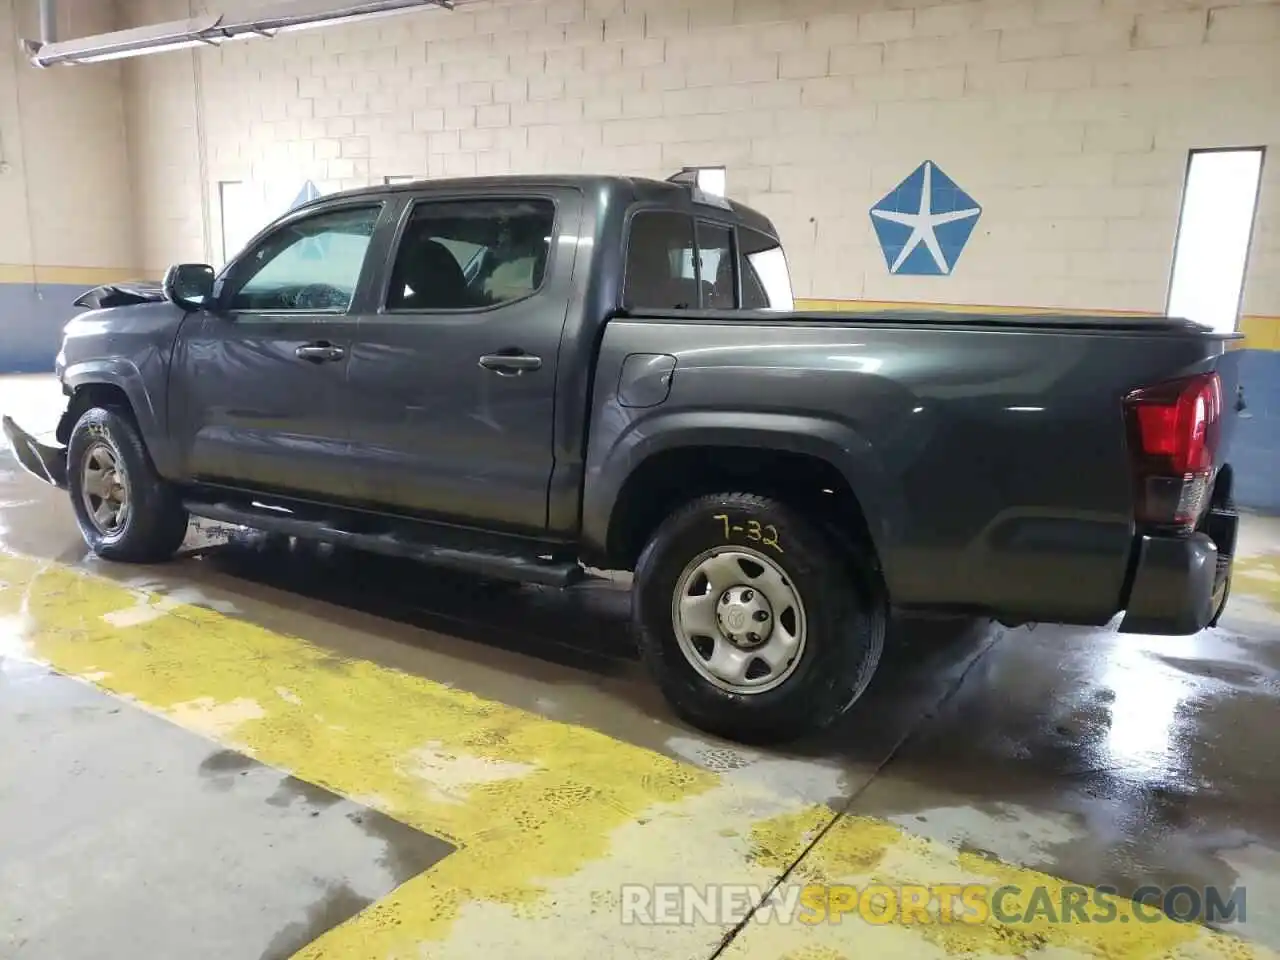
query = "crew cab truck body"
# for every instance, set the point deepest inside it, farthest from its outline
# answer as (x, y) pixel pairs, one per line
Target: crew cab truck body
(522, 376)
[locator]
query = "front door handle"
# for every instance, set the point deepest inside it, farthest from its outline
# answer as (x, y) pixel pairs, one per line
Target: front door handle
(322, 352)
(511, 364)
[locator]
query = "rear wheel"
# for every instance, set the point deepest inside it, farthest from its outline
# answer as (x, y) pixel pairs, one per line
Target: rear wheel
(756, 625)
(125, 510)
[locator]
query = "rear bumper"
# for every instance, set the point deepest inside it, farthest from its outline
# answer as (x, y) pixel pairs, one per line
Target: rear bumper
(40, 460)
(1181, 584)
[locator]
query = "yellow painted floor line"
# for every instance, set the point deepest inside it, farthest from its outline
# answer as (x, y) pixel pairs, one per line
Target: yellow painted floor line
(1258, 577)
(861, 859)
(553, 822)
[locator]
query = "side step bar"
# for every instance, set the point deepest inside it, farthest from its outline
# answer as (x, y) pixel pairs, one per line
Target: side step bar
(494, 564)
(40, 460)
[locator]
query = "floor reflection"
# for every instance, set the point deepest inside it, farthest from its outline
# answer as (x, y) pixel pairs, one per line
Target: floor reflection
(1149, 701)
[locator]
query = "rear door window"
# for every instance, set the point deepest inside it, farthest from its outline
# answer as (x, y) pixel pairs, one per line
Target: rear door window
(471, 254)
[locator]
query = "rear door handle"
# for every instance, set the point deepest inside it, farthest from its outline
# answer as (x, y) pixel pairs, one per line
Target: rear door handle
(322, 352)
(510, 364)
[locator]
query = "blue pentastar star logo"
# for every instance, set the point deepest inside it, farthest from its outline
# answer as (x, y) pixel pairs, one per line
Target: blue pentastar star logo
(924, 223)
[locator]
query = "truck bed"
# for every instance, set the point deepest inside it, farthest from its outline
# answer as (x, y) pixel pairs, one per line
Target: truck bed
(987, 452)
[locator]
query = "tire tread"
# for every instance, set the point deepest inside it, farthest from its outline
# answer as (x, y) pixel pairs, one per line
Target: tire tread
(848, 662)
(158, 521)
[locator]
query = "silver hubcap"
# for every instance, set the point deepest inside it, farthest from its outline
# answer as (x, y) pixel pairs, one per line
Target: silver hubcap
(105, 489)
(739, 620)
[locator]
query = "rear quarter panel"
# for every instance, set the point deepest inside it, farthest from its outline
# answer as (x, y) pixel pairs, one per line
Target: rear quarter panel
(990, 463)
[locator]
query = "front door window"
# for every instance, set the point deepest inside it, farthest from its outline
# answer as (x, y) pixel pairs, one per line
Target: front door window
(307, 266)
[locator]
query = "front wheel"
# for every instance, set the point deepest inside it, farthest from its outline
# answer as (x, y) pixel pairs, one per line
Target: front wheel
(757, 626)
(126, 511)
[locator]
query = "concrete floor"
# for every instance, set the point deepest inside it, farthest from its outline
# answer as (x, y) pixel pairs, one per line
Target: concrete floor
(251, 752)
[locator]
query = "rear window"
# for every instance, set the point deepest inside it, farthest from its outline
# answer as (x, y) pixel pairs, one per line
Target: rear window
(715, 257)
(659, 271)
(766, 278)
(677, 263)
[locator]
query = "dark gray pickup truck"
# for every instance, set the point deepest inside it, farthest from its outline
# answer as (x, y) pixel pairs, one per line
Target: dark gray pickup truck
(521, 377)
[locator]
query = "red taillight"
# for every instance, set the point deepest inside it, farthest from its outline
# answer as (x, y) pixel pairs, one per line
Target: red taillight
(1173, 435)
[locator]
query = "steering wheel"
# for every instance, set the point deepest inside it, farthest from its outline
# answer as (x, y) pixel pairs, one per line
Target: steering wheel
(320, 296)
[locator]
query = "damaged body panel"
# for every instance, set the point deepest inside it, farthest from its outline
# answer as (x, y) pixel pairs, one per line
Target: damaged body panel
(42, 461)
(120, 295)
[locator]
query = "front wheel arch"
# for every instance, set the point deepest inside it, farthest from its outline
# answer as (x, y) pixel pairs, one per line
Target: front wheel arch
(84, 398)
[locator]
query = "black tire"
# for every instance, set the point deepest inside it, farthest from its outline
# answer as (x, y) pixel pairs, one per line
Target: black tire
(155, 523)
(845, 614)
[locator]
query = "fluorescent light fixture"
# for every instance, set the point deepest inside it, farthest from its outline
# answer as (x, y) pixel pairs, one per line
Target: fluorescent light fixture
(126, 54)
(214, 29)
(299, 25)
(158, 37)
(1215, 229)
(306, 15)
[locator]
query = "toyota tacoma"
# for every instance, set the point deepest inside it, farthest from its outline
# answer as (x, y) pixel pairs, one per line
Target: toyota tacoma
(524, 377)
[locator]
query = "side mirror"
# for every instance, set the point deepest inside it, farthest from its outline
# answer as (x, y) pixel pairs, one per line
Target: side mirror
(189, 285)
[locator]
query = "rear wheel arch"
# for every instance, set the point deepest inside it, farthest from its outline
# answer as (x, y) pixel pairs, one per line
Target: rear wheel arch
(671, 477)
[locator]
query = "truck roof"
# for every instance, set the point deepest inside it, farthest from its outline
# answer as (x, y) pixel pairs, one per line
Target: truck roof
(618, 188)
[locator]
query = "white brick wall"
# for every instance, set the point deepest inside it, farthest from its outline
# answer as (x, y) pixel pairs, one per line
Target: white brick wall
(15, 240)
(64, 187)
(1068, 120)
